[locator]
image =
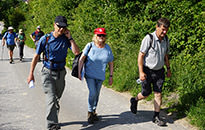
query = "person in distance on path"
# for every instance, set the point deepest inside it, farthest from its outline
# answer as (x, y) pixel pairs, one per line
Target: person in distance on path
(55, 46)
(151, 59)
(21, 41)
(36, 35)
(10, 39)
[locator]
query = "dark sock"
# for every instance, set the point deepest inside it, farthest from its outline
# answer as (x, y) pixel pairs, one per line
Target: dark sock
(156, 114)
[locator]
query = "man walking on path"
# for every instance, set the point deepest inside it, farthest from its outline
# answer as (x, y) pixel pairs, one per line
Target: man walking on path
(10, 39)
(35, 36)
(151, 59)
(55, 46)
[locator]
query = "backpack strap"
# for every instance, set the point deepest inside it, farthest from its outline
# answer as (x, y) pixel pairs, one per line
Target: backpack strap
(6, 35)
(166, 38)
(90, 47)
(46, 49)
(151, 41)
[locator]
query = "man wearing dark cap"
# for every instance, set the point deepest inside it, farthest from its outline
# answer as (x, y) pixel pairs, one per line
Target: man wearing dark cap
(55, 46)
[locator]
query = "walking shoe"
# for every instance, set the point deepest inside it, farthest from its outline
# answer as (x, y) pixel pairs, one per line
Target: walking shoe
(133, 106)
(90, 118)
(158, 121)
(11, 60)
(55, 127)
(95, 117)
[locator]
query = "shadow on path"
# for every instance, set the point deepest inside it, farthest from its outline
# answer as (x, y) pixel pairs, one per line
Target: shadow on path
(17, 60)
(116, 119)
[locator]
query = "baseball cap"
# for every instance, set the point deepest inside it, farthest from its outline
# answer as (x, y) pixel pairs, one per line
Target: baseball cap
(10, 28)
(38, 27)
(61, 21)
(100, 31)
(20, 30)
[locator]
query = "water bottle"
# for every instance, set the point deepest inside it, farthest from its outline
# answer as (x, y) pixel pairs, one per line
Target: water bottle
(31, 84)
(139, 81)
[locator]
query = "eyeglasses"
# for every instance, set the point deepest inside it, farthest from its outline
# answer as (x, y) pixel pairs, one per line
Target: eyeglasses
(61, 26)
(101, 35)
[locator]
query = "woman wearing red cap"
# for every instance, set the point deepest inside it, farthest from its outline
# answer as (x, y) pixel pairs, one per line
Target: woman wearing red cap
(98, 54)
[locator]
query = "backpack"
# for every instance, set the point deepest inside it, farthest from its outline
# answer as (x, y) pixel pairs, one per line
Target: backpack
(151, 41)
(38, 33)
(47, 50)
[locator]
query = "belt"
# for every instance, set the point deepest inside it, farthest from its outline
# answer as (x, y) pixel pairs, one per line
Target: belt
(152, 69)
(57, 69)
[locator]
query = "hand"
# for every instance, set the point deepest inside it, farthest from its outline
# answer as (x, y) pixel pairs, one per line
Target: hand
(3, 43)
(30, 77)
(79, 77)
(67, 33)
(143, 76)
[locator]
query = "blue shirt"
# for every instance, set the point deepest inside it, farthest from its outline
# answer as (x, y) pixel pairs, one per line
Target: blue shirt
(37, 35)
(10, 38)
(97, 60)
(55, 49)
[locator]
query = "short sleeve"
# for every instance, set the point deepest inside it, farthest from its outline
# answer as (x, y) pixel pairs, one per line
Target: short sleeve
(33, 33)
(145, 44)
(5, 35)
(87, 48)
(111, 57)
(41, 45)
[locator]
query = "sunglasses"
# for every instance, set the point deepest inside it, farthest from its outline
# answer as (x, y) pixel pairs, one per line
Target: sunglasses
(101, 35)
(61, 26)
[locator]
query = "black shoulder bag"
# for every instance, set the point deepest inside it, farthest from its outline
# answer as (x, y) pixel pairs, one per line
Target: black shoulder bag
(74, 72)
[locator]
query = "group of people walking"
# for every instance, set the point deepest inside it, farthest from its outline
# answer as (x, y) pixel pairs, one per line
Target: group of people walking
(95, 57)
(12, 39)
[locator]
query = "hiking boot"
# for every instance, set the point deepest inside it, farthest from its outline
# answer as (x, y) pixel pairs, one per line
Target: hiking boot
(133, 106)
(95, 117)
(158, 121)
(90, 118)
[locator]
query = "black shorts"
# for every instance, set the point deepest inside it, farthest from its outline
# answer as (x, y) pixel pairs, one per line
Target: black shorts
(155, 77)
(11, 47)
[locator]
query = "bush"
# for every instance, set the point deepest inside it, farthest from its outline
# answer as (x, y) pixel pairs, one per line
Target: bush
(197, 113)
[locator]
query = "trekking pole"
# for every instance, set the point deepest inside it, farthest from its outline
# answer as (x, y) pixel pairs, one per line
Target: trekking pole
(2, 52)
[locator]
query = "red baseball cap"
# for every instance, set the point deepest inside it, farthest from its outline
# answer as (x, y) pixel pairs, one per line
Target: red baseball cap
(100, 31)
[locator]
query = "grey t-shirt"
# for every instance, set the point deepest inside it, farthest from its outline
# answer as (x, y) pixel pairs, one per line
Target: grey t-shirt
(154, 58)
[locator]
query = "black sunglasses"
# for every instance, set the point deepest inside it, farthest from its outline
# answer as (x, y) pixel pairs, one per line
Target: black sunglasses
(101, 35)
(61, 26)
